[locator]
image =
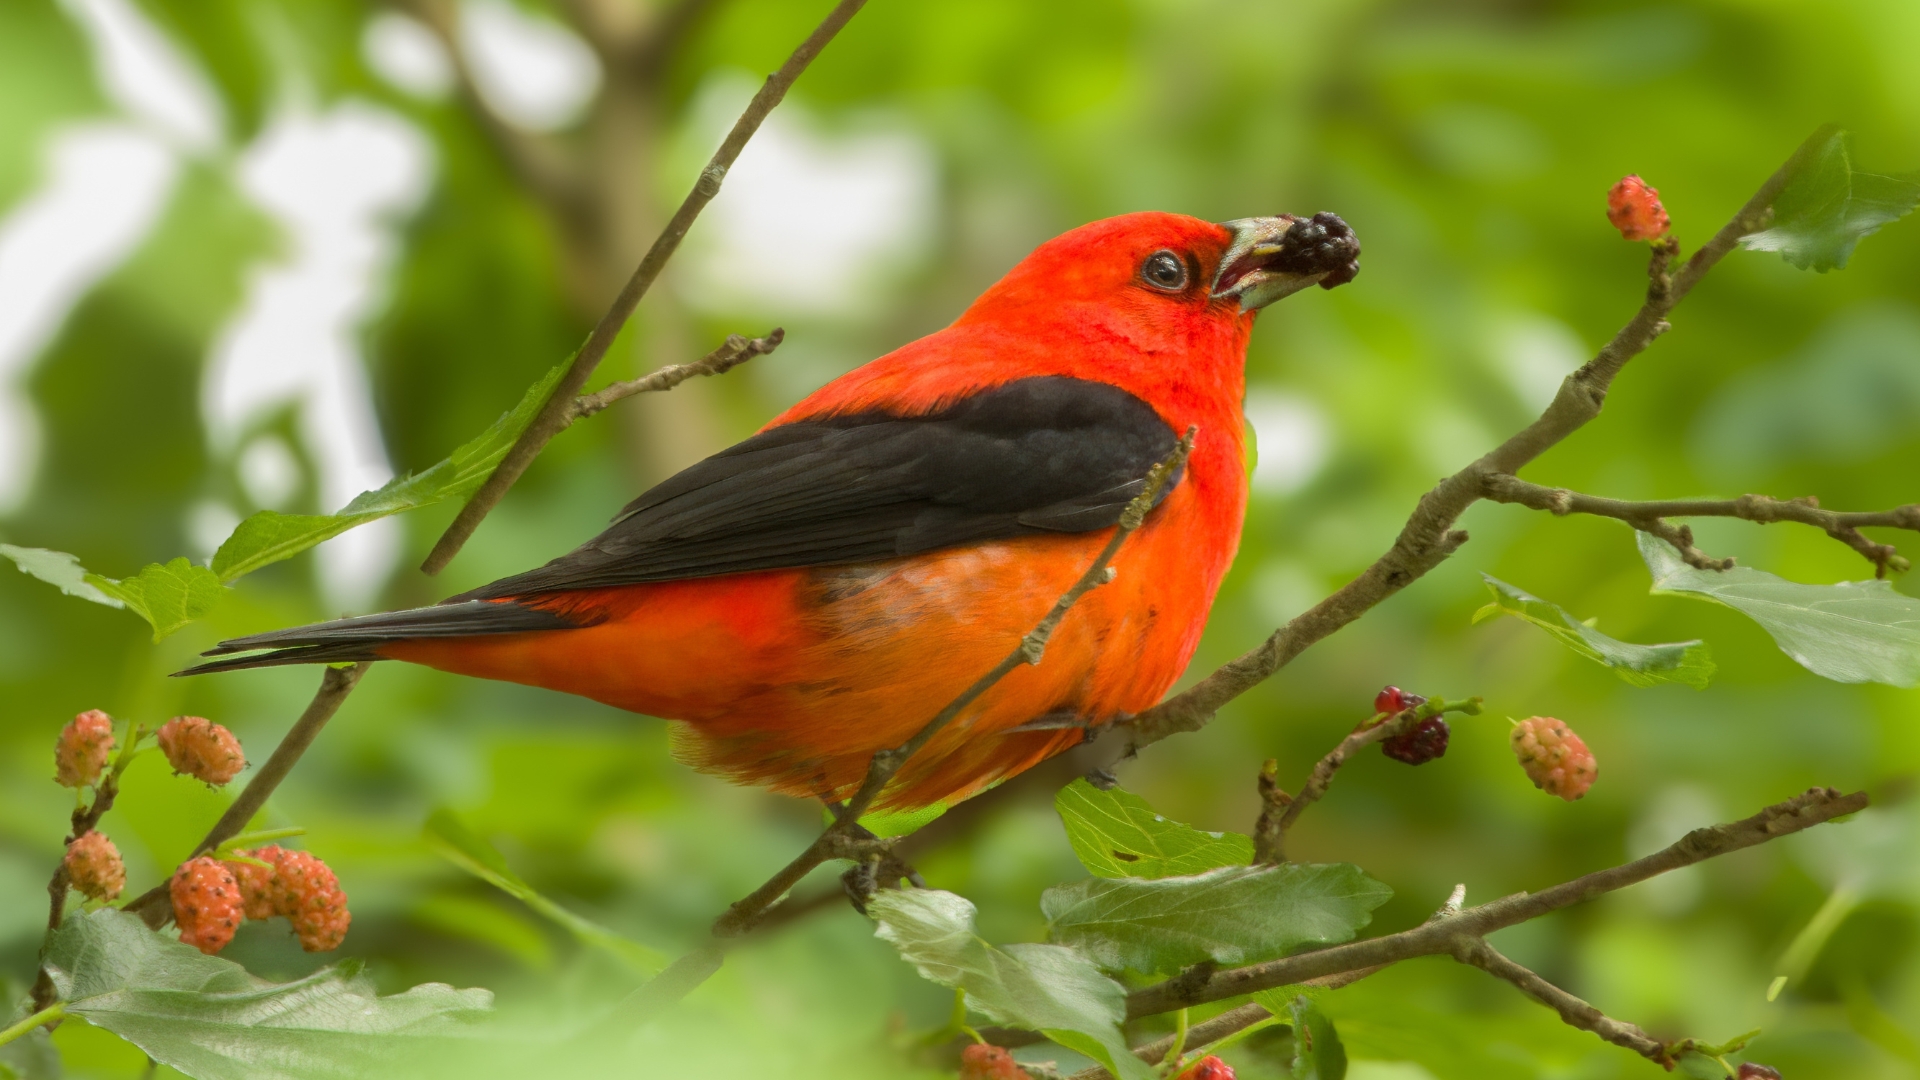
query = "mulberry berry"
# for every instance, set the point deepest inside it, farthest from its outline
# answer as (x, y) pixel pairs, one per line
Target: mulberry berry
(985, 1061)
(1420, 743)
(257, 892)
(309, 895)
(1634, 208)
(1395, 700)
(1556, 759)
(206, 903)
(1208, 1068)
(85, 744)
(94, 867)
(201, 749)
(1750, 1070)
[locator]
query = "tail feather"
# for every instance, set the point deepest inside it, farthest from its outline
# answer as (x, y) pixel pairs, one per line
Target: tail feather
(360, 638)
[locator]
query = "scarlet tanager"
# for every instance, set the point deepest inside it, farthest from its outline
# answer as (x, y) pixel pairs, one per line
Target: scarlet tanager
(819, 591)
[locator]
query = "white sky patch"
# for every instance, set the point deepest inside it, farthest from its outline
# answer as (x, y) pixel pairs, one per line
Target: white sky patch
(334, 182)
(531, 70)
(407, 54)
(1293, 439)
(269, 472)
(1535, 353)
(106, 183)
(807, 220)
(146, 76)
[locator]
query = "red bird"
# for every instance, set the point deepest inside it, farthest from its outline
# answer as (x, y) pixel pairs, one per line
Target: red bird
(819, 591)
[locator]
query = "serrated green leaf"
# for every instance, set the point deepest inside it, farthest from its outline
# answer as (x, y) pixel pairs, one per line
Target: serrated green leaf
(269, 536)
(1689, 662)
(1829, 205)
(58, 569)
(1317, 1053)
(1856, 631)
(1044, 988)
(1116, 834)
(472, 853)
(210, 1019)
(167, 595)
(1234, 915)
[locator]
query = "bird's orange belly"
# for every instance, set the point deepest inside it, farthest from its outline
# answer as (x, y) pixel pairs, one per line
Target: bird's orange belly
(794, 678)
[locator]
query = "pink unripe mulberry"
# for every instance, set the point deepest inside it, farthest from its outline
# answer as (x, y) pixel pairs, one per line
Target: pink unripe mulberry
(1634, 208)
(94, 867)
(309, 895)
(84, 747)
(257, 890)
(985, 1061)
(1208, 1068)
(201, 749)
(1752, 1070)
(206, 903)
(1556, 759)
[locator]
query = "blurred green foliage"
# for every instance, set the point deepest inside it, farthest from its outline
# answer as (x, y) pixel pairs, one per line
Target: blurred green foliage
(1469, 143)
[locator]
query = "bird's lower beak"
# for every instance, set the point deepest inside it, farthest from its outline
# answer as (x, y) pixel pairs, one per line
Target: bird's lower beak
(1272, 257)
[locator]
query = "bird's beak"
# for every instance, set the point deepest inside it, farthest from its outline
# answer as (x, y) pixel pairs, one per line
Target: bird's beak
(1272, 257)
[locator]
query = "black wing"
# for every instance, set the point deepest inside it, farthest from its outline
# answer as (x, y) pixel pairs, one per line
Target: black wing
(1041, 454)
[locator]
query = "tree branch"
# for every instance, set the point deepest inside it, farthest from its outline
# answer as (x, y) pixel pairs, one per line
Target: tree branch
(1650, 517)
(335, 685)
(1429, 536)
(1442, 937)
(1279, 811)
(733, 352)
(554, 415)
(1576, 1012)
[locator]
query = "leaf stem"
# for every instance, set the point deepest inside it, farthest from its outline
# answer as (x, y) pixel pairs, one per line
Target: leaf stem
(50, 1014)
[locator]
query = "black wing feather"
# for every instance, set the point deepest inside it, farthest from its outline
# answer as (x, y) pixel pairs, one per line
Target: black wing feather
(1042, 454)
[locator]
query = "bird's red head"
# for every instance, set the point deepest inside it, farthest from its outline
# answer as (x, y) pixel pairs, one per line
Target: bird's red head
(1156, 279)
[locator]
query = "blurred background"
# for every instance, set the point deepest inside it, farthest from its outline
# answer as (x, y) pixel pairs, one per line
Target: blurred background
(268, 253)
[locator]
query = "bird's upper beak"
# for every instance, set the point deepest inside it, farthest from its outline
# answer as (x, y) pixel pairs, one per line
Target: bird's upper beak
(1272, 257)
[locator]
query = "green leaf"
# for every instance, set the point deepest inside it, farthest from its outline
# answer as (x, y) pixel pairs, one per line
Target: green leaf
(58, 569)
(1687, 662)
(210, 1019)
(1116, 834)
(471, 852)
(1233, 915)
(1856, 631)
(1317, 1053)
(1828, 206)
(1044, 988)
(268, 536)
(168, 596)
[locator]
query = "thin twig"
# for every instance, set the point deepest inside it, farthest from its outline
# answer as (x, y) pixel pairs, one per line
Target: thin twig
(1429, 536)
(335, 685)
(1201, 1035)
(554, 415)
(1370, 731)
(887, 763)
(1440, 937)
(1650, 517)
(733, 352)
(1576, 1012)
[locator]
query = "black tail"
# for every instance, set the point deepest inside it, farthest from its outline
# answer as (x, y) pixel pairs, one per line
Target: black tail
(360, 638)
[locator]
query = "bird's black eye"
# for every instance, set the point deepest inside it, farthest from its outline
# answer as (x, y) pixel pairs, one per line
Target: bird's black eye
(1165, 270)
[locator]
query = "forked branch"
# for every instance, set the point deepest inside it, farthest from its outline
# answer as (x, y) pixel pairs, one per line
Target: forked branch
(1651, 517)
(556, 413)
(1429, 536)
